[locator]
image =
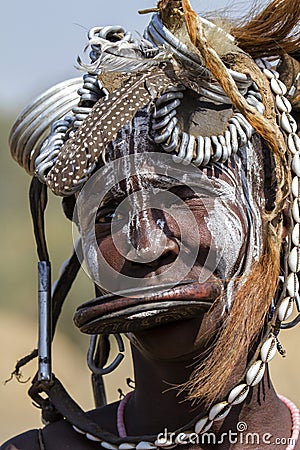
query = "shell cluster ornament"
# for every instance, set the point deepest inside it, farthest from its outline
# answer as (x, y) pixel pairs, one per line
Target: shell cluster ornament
(289, 127)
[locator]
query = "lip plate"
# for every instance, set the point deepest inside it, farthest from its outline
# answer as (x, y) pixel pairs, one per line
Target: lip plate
(145, 316)
(125, 314)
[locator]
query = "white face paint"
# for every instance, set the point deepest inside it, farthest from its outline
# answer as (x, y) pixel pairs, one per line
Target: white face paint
(233, 214)
(228, 235)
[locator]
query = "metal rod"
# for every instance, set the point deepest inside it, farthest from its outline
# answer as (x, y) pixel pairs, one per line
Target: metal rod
(45, 325)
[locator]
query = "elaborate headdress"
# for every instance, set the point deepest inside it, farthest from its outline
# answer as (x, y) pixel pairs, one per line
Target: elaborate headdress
(63, 136)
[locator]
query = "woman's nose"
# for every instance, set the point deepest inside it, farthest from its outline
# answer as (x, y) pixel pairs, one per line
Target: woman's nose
(150, 240)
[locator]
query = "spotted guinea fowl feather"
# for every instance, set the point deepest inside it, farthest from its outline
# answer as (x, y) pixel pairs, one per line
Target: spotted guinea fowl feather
(107, 117)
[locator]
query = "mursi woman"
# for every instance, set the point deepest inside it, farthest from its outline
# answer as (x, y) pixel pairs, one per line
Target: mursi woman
(178, 161)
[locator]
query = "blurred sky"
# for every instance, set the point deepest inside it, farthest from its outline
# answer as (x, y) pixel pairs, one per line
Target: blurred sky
(39, 41)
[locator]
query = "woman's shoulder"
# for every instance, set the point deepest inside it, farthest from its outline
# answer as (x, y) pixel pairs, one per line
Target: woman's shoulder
(25, 441)
(61, 435)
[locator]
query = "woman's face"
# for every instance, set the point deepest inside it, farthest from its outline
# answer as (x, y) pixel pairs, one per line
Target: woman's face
(146, 220)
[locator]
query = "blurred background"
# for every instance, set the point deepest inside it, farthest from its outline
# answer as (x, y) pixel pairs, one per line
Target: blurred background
(39, 44)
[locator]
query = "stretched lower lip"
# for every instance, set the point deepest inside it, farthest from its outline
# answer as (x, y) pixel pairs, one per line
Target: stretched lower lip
(114, 313)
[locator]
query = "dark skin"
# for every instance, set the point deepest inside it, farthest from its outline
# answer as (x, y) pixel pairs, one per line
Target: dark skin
(164, 356)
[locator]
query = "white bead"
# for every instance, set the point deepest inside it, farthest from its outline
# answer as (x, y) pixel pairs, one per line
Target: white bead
(238, 394)
(295, 187)
(283, 104)
(126, 446)
(292, 285)
(295, 234)
(108, 445)
(219, 411)
(278, 87)
(268, 350)
(296, 164)
(201, 424)
(92, 438)
(285, 309)
(255, 373)
(144, 445)
(295, 210)
(294, 259)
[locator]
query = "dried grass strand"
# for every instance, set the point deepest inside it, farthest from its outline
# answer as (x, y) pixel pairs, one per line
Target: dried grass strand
(273, 31)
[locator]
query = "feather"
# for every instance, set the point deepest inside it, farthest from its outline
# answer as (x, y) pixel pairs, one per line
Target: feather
(124, 56)
(80, 153)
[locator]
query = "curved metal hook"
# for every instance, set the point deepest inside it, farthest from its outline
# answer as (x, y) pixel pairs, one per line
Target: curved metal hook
(104, 370)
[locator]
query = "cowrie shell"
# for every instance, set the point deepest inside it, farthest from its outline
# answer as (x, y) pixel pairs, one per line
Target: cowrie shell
(278, 87)
(268, 350)
(201, 424)
(291, 144)
(285, 309)
(296, 163)
(294, 259)
(296, 140)
(288, 123)
(292, 285)
(238, 394)
(255, 373)
(92, 438)
(295, 210)
(78, 430)
(219, 411)
(295, 187)
(108, 445)
(269, 74)
(283, 104)
(295, 234)
(126, 446)
(145, 445)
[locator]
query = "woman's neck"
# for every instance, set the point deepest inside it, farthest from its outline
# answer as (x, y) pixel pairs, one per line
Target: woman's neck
(158, 405)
